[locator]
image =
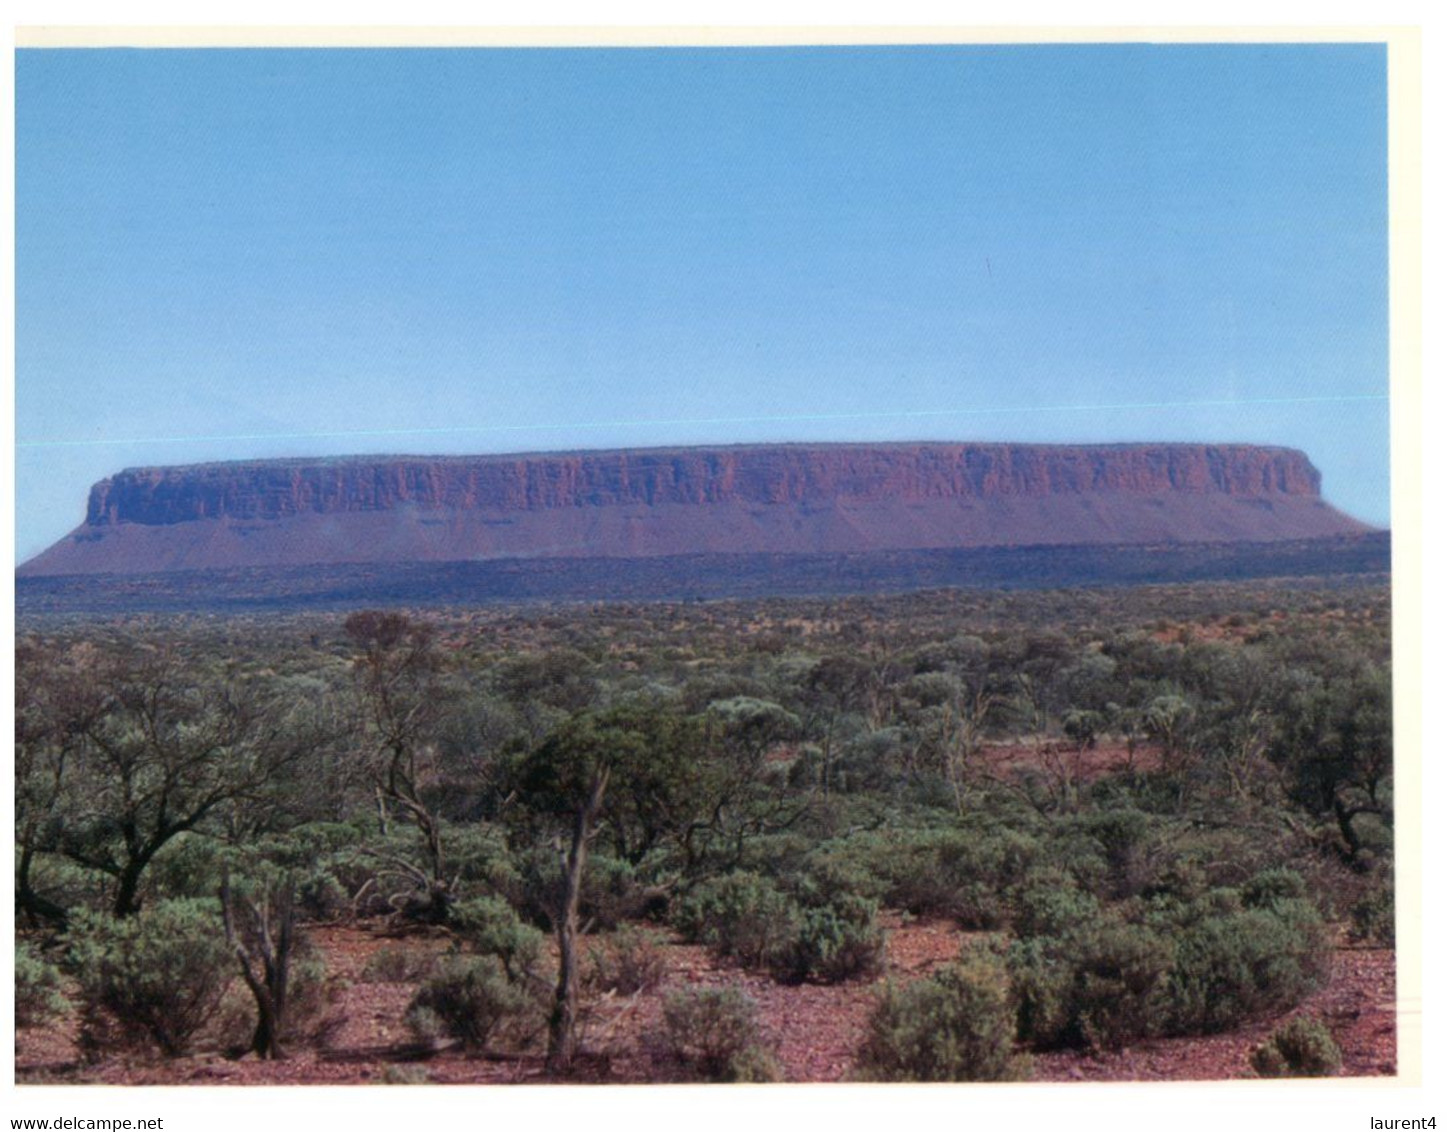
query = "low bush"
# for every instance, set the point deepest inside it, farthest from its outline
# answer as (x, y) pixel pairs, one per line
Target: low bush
(1301, 1048)
(770, 854)
(841, 868)
(613, 892)
(479, 854)
(629, 962)
(487, 925)
(469, 999)
(1183, 880)
(1098, 986)
(1050, 904)
(834, 942)
(1124, 838)
(234, 1024)
(741, 916)
(1238, 965)
(37, 987)
(747, 917)
(308, 994)
(321, 857)
(713, 1033)
(955, 1025)
(956, 873)
(156, 977)
(320, 895)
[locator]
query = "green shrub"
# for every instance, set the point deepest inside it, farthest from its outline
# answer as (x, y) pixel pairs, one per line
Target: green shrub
(37, 987)
(1040, 985)
(1232, 967)
(487, 925)
(156, 977)
(742, 916)
(835, 942)
(469, 999)
(1069, 849)
(1301, 1048)
(769, 854)
(955, 1025)
(956, 873)
(713, 1032)
(1123, 836)
(478, 853)
(1270, 887)
(1183, 880)
(629, 962)
(365, 870)
(320, 895)
(1098, 986)
(322, 860)
(613, 893)
(841, 868)
(1172, 913)
(1050, 904)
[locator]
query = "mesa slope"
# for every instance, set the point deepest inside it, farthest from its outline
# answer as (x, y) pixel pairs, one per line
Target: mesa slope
(839, 499)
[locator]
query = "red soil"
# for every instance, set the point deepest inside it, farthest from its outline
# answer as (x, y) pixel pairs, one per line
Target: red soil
(816, 1029)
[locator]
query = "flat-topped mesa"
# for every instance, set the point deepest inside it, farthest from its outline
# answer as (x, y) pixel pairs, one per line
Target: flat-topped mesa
(769, 499)
(783, 474)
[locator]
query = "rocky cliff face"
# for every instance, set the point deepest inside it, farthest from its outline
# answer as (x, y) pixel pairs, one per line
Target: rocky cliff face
(762, 475)
(779, 499)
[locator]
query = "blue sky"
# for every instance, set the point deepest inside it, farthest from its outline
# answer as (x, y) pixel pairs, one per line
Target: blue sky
(238, 254)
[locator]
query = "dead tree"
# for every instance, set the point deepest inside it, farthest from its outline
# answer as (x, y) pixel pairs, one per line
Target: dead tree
(262, 943)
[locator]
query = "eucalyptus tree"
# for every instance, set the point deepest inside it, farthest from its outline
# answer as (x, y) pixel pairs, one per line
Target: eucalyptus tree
(567, 778)
(644, 773)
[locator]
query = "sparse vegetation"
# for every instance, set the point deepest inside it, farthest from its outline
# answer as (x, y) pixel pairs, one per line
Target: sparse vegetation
(1153, 810)
(713, 1033)
(1301, 1048)
(953, 1026)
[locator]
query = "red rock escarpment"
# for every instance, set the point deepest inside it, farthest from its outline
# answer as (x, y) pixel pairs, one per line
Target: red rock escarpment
(781, 498)
(765, 475)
